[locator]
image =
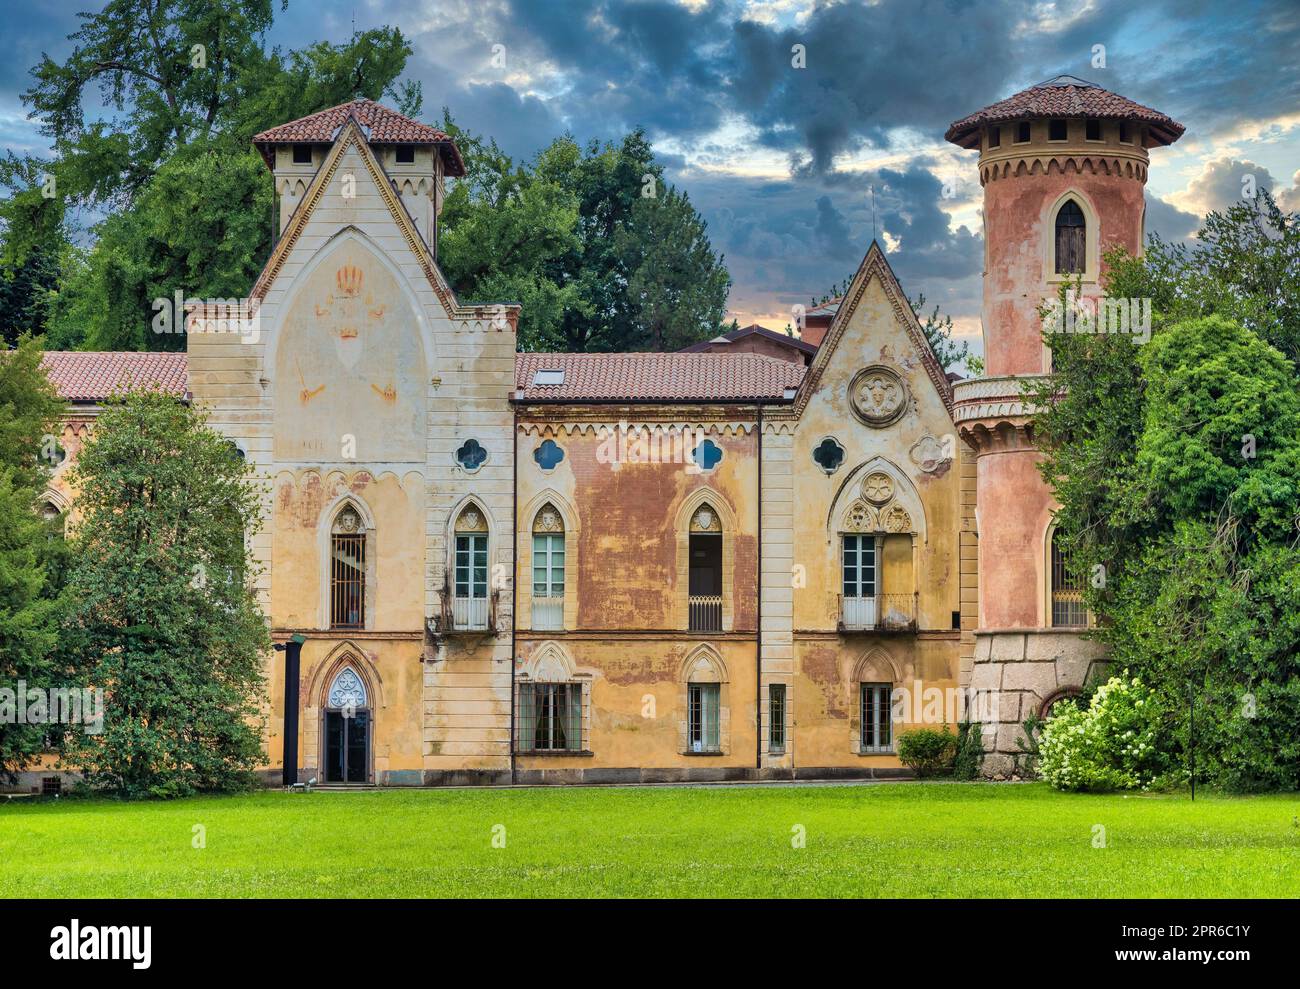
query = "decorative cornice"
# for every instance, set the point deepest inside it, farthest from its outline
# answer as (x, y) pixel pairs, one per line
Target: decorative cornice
(1033, 162)
(597, 427)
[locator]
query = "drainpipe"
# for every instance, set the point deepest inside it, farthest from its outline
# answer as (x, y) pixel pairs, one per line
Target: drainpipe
(758, 631)
(514, 572)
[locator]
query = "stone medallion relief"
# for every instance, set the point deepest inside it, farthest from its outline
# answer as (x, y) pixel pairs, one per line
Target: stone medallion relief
(878, 395)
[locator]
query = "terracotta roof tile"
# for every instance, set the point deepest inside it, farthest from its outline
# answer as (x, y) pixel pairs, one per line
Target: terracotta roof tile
(92, 376)
(381, 125)
(753, 329)
(1064, 96)
(651, 377)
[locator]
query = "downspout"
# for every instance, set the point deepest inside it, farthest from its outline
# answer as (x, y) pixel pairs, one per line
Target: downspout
(514, 572)
(758, 631)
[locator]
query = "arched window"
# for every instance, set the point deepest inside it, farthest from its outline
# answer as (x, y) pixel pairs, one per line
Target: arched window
(347, 729)
(706, 722)
(1071, 239)
(550, 715)
(1068, 609)
(548, 569)
(470, 601)
(705, 576)
(347, 570)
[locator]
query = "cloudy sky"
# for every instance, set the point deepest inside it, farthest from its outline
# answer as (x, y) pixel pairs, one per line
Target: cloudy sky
(781, 160)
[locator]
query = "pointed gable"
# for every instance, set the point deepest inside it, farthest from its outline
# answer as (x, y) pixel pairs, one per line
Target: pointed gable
(874, 268)
(352, 137)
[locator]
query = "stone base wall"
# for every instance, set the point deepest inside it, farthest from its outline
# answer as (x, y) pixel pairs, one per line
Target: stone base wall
(1025, 669)
(630, 775)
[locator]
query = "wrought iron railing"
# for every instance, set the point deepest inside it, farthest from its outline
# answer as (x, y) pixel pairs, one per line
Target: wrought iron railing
(878, 613)
(705, 613)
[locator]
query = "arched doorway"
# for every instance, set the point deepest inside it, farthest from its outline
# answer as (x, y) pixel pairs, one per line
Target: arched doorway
(347, 729)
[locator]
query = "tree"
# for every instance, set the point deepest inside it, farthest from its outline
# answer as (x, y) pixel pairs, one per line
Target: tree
(29, 548)
(938, 333)
(162, 612)
(188, 203)
(1177, 468)
(601, 252)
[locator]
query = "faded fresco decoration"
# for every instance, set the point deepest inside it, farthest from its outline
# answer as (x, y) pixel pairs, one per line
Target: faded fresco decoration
(350, 367)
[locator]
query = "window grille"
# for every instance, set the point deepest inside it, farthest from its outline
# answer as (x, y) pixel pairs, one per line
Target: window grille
(776, 717)
(1068, 608)
(348, 580)
(550, 717)
(875, 714)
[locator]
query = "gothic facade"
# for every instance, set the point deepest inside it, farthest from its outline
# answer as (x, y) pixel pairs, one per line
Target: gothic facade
(728, 563)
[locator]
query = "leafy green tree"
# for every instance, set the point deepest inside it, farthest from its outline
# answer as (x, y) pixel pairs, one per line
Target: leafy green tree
(601, 252)
(189, 206)
(29, 546)
(162, 610)
(1177, 468)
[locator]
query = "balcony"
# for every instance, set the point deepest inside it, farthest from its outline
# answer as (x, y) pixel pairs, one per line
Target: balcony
(879, 613)
(548, 613)
(469, 614)
(705, 613)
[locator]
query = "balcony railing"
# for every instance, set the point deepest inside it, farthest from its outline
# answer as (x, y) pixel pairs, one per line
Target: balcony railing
(705, 613)
(470, 614)
(548, 613)
(880, 613)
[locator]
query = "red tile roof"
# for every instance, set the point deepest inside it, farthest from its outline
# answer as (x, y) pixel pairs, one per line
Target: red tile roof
(753, 329)
(1064, 96)
(91, 376)
(380, 124)
(653, 377)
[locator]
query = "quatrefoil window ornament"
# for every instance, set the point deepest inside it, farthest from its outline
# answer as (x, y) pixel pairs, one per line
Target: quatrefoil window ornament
(707, 455)
(471, 455)
(878, 488)
(828, 455)
(548, 455)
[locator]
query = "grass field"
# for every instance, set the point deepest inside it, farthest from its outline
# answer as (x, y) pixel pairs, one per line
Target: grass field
(890, 840)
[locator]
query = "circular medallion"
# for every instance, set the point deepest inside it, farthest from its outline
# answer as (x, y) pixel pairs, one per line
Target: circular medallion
(878, 395)
(878, 488)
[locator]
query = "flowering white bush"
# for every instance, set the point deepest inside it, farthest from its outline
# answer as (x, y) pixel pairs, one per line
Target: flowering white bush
(1112, 745)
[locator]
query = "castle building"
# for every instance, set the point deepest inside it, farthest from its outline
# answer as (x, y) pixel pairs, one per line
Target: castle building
(751, 560)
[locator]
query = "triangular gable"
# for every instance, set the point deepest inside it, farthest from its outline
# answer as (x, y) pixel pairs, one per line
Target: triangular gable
(874, 264)
(351, 136)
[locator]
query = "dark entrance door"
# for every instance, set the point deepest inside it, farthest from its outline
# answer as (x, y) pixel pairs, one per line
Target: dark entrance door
(347, 747)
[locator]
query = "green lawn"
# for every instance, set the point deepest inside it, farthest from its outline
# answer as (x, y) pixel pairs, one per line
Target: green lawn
(890, 840)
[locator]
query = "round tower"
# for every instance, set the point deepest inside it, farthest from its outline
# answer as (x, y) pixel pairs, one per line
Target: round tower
(1063, 165)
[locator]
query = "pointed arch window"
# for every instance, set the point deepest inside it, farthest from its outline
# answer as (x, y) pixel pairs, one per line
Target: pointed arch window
(470, 602)
(548, 569)
(705, 575)
(1068, 608)
(1071, 239)
(347, 570)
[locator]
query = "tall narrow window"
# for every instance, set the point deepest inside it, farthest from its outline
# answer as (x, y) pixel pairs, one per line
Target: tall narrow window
(550, 717)
(470, 604)
(875, 714)
(1068, 609)
(1071, 239)
(858, 583)
(347, 570)
(776, 717)
(705, 574)
(702, 717)
(548, 569)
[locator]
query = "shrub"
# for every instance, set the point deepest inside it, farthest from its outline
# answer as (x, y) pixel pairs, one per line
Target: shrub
(1115, 743)
(970, 750)
(927, 751)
